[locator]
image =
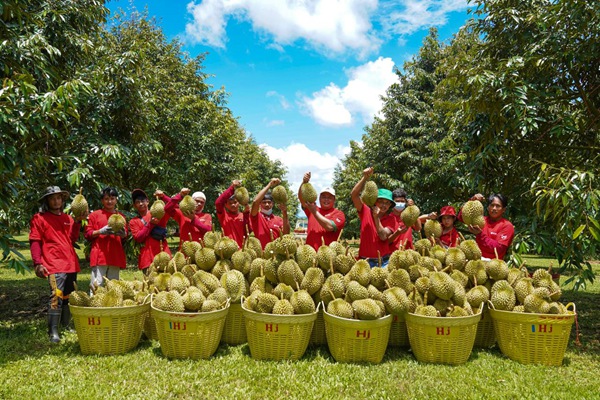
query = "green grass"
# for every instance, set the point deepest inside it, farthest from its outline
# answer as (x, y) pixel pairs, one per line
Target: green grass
(31, 367)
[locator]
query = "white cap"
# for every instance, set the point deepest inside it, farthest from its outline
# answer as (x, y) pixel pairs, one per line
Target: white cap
(329, 190)
(199, 195)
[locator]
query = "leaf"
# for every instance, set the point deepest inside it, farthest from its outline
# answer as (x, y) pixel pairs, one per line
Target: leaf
(578, 231)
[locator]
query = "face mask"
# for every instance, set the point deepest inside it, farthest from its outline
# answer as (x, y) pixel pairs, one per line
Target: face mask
(400, 206)
(267, 212)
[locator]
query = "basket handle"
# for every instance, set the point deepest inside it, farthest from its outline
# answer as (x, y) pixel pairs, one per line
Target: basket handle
(481, 307)
(319, 305)
(490, 305)
(574, 308)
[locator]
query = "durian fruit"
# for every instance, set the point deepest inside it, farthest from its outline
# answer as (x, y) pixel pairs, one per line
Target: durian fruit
(378, 277)
(497, 269)
(340, 308)
(79, 206)
(308, 192)
(290, 273)
(235, 284)
(161, 260)
(439, 253)
(241, 195)
(370, 193)
(241, 261)
(367, 309)
(360, 272)
(283, 291)
(471, 249)
(538, 301)
(225, 247)
(457, 311)
(325, 257)
(178, 282)
(306, 256)
(187, 205)
(283, 307)
(503, 296)
(423, 247)
(355, 291)
(313, 280)
(173, 302)
(477, 295)
(79, 297)
(279, 194)
(211, 238)
(193, 299)
(433, 228)
(205, 258)
(116, 222)
(189, 249)
(157, 210)
(395, 300)
(265, 303)
(442, 285)
(472, 211)
(410, 215)
(456, 259)
(303, 302)
(400, 278)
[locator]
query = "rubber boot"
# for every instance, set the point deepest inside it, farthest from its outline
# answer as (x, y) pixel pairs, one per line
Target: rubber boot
(65, 316)
(53, 322)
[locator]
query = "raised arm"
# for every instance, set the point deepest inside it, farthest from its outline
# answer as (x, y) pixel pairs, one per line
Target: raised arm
(256, 202)
(355, 194)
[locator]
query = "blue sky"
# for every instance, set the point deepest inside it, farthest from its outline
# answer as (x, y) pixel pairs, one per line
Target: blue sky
(304, 77)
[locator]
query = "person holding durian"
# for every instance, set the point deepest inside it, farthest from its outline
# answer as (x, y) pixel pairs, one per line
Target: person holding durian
(188, 212)
(235, 224)
(493, 233)
(325, 222)
(402, 235)
(265, 224)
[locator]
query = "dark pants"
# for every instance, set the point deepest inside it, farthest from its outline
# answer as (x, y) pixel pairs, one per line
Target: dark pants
(374, 262)
(61, 286)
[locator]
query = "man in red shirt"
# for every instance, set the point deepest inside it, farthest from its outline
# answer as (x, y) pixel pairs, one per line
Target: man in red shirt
(403, 235)
(498, 232)
(265, 225)
(52, 234)
(374, 236)
(196, 224)
(107, 256)
(235, 224)
(147, 230)
(325, 222)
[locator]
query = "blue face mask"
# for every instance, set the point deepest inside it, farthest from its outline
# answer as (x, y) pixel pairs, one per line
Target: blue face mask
(267, 212)
(399, 206)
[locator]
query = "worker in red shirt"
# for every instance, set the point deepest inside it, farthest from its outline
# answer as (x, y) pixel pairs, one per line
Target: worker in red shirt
(52, 234)
(447, 218)
(326, 222)
(497, 234)
(235, 224)
(107, 256)
(150, 232)
(265, 225)
(403, 235)
(195, 224)
(374, 236)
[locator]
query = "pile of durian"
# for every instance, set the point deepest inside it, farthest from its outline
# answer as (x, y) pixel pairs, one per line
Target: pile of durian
(115, 293)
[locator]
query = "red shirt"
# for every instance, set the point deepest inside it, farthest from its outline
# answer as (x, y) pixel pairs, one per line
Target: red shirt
(495, 235)
(140, 228)
(450, 238)
(315, 232)
(106, 249)
(56, 233)
(405, 238)
(201, 224)
(370, 243)
(233, 225)
(265, 225)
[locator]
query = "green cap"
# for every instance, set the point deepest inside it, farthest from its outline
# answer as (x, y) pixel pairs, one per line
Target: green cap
(385, 194)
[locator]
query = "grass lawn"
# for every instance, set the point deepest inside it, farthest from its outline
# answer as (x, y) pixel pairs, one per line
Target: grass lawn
(33, 368)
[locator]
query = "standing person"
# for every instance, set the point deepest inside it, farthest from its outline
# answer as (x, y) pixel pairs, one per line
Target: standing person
(403, 235)
(235, 224)
(147, 230)
(196, 223)
(265, 225)
(52, 234)
(325, 222)
(447, 218)
(498, 232)
(107, 256)
(374, 236)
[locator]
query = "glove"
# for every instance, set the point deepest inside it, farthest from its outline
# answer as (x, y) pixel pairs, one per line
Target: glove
(105, 230)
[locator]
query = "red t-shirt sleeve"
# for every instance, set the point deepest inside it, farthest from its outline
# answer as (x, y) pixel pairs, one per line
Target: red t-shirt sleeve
(222, 199)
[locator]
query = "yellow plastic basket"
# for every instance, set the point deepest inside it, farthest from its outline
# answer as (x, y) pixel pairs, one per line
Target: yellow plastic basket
(278, 337)
(486, 335)
(234, 331)
(108, 330)
(150, 327)
(533, 338)
(318, 337)
(442, 340)
(189, 335)
(398, 332)
(353, 340)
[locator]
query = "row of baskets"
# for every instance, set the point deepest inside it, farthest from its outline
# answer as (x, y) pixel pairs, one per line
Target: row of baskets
(527, 338)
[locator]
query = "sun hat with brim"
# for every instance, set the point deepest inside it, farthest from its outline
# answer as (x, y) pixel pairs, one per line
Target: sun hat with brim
(50, 190)
(448, 210)
(385, 194)
(135, 193)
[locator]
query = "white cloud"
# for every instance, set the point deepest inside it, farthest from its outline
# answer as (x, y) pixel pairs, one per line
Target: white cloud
(329, 26)
(299, 159)
(326, 25)
(403, 17)
(274, 122)
(335, 106)
(282, 100)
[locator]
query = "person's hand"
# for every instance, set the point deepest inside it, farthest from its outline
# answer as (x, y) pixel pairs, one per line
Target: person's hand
(158, 193)
(432, 215)
(376, 211)
(478, 196)
(184, 191)
(402, 228)
(312, 207)
(40, 271)
(367, 172)
(236, 183)
(105, 230)
(306, 177)
(83, 216)
(154, 221)
(410, 202)
(246, 208)
(190, 215)
(274, 182)
(282, 207)
(474, 229)
(121, 233)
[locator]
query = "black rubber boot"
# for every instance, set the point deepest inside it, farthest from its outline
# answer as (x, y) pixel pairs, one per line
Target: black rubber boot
(65, 316)
(53, 322)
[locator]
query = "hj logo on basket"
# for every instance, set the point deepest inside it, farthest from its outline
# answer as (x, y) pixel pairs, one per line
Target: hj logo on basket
(541, 328)
(177, 326)
(359, 334)
(283, 329)
(94, 321)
